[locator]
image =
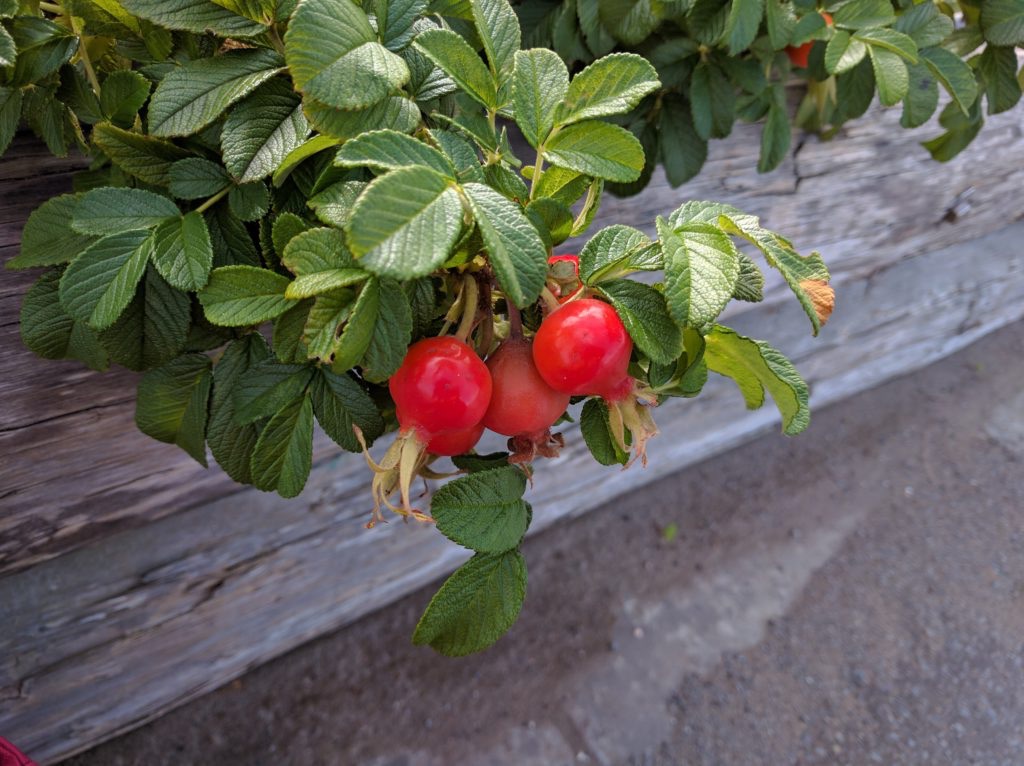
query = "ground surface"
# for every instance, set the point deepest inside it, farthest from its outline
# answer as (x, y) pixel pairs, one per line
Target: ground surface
(853, 596)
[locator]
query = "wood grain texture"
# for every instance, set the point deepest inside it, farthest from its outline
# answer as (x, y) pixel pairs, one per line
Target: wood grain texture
(75, 469)
(109, 636)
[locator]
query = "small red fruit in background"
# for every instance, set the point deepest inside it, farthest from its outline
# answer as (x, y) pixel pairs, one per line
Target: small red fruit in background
(799, 54)
(521, 402)
(583, 349)
(441, 386)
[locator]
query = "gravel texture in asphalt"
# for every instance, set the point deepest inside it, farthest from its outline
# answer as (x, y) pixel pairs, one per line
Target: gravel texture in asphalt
(851, 596)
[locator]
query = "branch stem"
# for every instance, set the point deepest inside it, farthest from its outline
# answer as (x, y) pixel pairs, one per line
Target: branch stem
(515, 320)
(550, 301)
(213, 200)
(51, 8)
(470, 301)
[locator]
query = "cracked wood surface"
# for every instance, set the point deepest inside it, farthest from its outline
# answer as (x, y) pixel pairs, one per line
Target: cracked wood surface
(76, 469)
(152, 576)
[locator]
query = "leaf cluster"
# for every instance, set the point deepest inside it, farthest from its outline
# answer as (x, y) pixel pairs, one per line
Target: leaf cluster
(284, 196)
(720, 61)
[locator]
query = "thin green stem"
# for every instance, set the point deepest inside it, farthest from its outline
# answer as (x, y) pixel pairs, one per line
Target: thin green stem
(470, 301)
(587, 203)
(275, 39)
(538, 170)
(51, 8)
(83, 50)
(213, 200)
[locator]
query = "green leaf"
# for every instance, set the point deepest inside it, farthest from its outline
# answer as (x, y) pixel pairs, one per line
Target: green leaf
(48, 238)
(645, 314)
(232, 244)
(334, 57)
(683, 152)
(391, 150)
(339, 403)
(43, 47)
(998, 69)
(475, 606)
(540, 86)
(862, 14)
(257, 10)
(750, 285)
(237, 296)
(617, 251)
(890, 40)
(154, 327)
(630, 21)
(961, 129)
(318, 283)
(122, 95)
(268, 387)
(477, 463)
(100, 283)
(396, 20)
(954, 74)
(776, 136)
(779, 20)
(612, 85)
(199, 16)
(144, 157)
(597, 149)
(308, 148)
(552, 219)
(110, 209)
(10, 115)
(183, 253)
(712, 102)
(196, 178)
(392, 333)
(514, 248)
(922, 97)
(925, 24)
(843, 52)
(1002, 21)
(8, 8)
(289, 334)
(192, 96)
(756, 366)
(230, 443)
(701, 270)
(807, 276)
(742, 24)
(8, 49)
(460, 62)
(890, 74)
(283, 455)
(262, 130)
(498, 27)
(249, 202)
(351, 345)
(484, 511)
(48, 331)
(394, 112)
(320, 333)
(405, 223)
(172, 404)
(596, 430)
(334, 204)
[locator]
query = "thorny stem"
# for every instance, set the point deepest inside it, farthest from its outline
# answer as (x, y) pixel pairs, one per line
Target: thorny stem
(213, 200)
(515, 320)
(470, 301)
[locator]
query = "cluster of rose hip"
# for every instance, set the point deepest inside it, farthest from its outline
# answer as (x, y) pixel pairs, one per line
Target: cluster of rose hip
(800, 55)
(446, 396)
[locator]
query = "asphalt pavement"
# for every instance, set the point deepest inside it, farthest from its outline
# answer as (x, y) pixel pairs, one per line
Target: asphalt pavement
(851, 596)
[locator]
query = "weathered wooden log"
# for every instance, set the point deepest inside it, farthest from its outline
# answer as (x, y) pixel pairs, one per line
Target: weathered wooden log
(136, 580)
